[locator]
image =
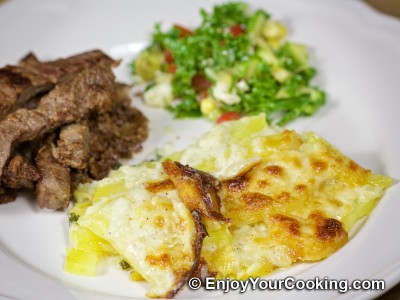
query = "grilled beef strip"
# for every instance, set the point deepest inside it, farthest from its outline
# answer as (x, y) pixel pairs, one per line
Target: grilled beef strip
(72, 148)
(20, 173)
(113, 135)
(19, 84)
(68, 102)
(55, 70)
(53, 188)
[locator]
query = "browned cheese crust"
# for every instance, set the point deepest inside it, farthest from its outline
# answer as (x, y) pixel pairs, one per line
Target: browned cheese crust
(254, 196)
(197, 189)
(201, 233)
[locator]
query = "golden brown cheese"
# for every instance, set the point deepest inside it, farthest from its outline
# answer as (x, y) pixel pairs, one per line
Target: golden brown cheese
(197, 189)
(303, 192)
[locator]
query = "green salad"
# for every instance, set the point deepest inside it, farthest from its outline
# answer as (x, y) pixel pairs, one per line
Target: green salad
(235, 63)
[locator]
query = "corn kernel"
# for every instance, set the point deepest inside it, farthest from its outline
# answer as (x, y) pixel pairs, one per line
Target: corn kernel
(207, 105)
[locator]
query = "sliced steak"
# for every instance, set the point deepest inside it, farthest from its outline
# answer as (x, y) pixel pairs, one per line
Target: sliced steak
(53, 189)
(18, 84)
(68, 102)
(55, 70)
(20, 173)
(115, 134)
(72, 148)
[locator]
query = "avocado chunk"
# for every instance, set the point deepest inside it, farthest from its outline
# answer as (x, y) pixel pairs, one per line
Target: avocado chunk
(268, 56)
(147, 64)
(298, 52)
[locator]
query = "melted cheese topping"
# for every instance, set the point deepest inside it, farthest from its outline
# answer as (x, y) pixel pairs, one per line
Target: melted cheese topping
(154, 232)
(295, 202)
(288, 198)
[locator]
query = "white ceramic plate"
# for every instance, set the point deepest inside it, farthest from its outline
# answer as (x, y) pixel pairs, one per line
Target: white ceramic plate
(358, 54)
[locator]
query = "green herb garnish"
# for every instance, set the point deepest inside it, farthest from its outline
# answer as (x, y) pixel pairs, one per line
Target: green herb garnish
(72, 218)
(125, 265)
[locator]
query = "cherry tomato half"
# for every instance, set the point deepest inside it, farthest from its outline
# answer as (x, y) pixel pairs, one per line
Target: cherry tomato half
(228, 116)
(183, 31)
(236, 30)
(171, 68)
(168, 56)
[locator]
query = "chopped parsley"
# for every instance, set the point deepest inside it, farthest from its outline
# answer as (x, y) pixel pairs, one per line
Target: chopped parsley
(125, 265)
(72, 218)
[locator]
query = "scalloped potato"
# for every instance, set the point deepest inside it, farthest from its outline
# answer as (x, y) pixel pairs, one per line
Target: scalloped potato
(267, 199)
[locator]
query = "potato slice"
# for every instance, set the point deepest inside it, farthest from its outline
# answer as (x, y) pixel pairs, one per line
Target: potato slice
(156, 233)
